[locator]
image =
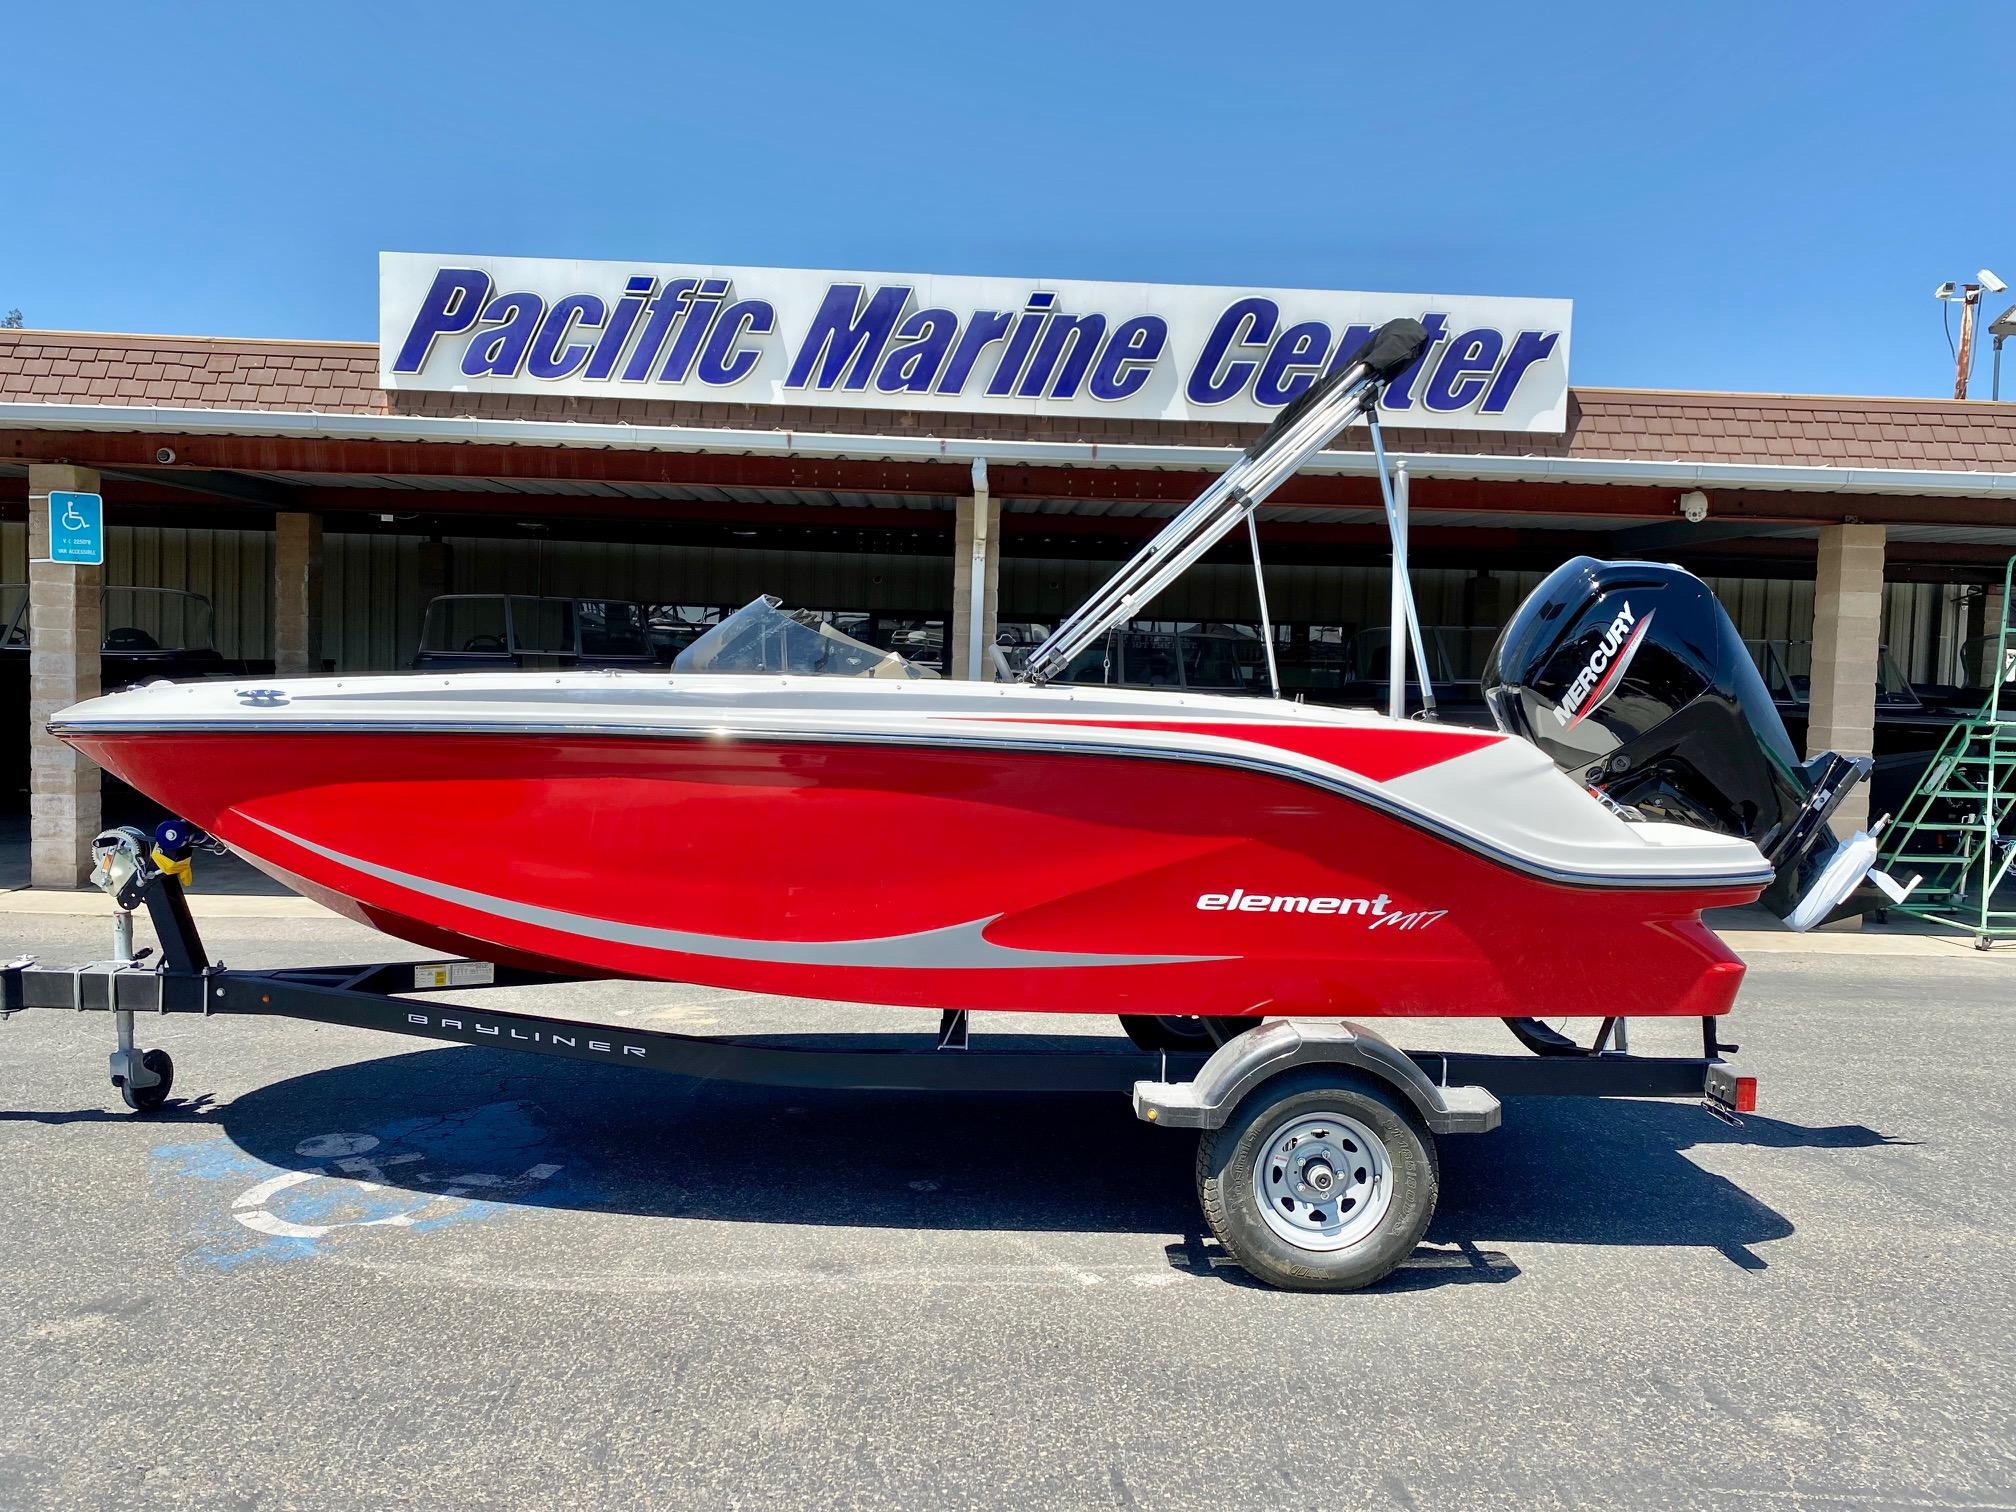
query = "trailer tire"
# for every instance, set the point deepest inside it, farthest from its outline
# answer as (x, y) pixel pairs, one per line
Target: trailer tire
(1351, 1171)
(151, 1099)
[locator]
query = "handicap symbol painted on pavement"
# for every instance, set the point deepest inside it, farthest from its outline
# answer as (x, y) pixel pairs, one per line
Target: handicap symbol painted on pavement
(413, 1176)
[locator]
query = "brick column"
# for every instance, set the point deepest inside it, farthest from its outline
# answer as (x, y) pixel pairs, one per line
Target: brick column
(297, 594)
(434, 570)
(962, 586)
(1847, 632)
(1991, 612)
(64, 633)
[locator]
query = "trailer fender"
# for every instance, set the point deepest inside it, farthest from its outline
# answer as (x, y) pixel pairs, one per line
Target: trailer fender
(1243, 1063)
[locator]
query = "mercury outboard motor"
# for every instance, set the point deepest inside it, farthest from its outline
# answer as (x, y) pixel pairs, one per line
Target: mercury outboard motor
(1631, 677)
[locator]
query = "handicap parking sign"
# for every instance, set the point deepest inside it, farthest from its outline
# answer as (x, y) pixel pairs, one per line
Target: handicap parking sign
(77, 529)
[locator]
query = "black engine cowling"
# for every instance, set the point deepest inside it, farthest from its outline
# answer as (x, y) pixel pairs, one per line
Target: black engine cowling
(1632, 678)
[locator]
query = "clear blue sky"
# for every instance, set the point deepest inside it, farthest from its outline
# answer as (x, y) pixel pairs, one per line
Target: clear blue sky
(1743, 196)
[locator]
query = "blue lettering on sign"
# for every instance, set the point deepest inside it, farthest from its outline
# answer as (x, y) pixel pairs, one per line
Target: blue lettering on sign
(450, 308)
(867, 337)
(725, 360)
(922, 342)
(665, 311)
(1465, 370)
(637, 293)
(1123, 367)
(694, 329)
(848, 336)
(513, 320)
(1069, 344)
(1027, 326)
(1349, 345)
(1528, 348)
(552, 356)
(1293, 363)
(1399, 393)
(982, 331)
(1245, 323)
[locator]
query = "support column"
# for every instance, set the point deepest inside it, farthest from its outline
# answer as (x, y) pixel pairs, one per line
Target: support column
(968, 516)
(64, 634)
(1484, 614)
(434, 575)
(434, 570)
(1847, 634)
(297, 594)
(1991, 612)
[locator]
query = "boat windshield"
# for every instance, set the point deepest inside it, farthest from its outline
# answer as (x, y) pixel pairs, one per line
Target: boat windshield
(1977, 661)
(155, 619)
(136, 620)
(1787, 666)
(612, 627)
(1456, 653)
(762, 637)
(13, 614)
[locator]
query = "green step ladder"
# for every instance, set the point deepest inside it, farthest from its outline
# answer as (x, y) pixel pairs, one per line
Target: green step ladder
(1957, 830)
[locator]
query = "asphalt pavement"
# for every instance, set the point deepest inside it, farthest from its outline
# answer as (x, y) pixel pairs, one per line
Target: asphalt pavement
(348, 1270)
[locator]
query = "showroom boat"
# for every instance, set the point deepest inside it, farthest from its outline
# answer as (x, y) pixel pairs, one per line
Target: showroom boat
(751, 821)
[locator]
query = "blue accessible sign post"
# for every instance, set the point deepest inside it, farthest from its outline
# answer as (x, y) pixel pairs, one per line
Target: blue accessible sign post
(77, 529)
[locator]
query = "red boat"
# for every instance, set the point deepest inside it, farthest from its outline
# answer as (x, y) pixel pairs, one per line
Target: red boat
(947, 846)
(886, 837)
(1175, 859)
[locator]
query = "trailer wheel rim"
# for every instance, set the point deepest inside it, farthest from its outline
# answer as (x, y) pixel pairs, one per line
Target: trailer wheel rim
(1323, 1181)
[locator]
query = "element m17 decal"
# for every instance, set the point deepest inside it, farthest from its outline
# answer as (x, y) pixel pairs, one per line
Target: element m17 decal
(1600, 677)
(1377, 910)
(1240, 901)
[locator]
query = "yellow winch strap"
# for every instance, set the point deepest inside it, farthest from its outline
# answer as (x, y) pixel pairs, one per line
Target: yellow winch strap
(182, 871)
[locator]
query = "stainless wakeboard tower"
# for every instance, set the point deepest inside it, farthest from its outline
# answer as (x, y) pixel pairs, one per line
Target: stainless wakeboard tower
(1300, 431)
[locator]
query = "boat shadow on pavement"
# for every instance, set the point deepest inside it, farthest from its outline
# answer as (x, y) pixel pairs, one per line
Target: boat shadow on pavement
(461, 1123)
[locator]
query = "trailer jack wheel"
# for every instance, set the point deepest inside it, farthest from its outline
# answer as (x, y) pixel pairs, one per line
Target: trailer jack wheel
(147, 1081)
(1319, 1181)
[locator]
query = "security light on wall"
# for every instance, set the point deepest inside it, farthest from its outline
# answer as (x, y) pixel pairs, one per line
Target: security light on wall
(1968, 297)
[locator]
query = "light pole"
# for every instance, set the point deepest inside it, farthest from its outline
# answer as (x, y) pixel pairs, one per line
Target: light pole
(1968, 297)
(2002, 328)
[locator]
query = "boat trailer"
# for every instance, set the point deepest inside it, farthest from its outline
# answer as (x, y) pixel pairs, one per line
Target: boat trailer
(1316, 1169)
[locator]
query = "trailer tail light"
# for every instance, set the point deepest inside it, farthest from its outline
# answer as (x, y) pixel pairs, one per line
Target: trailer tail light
(1727, 1094)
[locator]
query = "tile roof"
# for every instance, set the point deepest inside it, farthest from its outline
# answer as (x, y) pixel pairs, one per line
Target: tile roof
(342, 378)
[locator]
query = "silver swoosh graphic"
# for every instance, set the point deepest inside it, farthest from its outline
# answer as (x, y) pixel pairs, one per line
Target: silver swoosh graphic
(963, 947)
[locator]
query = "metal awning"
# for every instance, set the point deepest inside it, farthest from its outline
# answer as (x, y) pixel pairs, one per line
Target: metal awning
(604, 436)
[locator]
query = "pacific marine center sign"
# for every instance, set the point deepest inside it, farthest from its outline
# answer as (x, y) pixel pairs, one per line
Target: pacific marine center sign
(1064, 347)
